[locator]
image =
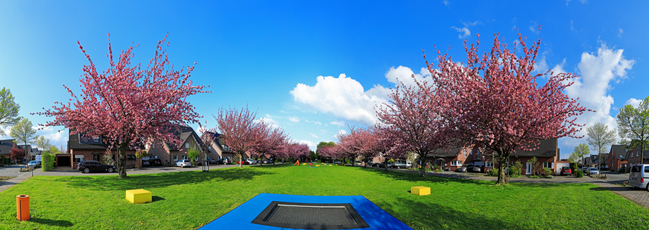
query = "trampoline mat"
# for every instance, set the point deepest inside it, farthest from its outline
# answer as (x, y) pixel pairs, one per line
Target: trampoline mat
(310, 216)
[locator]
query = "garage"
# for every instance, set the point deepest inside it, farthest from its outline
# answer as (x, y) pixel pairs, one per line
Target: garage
(62, 160)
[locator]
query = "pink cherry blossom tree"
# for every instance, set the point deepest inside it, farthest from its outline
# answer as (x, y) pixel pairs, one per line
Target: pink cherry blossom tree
(127, 105)
(494, 101)
(239, 130)
(413, 122)
(297, 150)
(272, 142)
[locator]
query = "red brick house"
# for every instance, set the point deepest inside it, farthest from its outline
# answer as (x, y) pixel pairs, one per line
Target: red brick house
(633, 155)
(617, 157)
(82, 148)
(454, 157)
(547, 155)
(5, 149)
(170, 154)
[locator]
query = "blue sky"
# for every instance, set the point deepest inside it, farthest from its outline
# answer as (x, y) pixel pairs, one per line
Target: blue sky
(270, 55)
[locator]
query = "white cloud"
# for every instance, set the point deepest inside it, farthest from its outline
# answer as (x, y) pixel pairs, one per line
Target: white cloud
(313, 135)
(464, 31)
(620, 32)
(293, 119)
(445, 2)
(311, 145)
(541, 65)
(634, 102)
(582, 1)
(598, 71)
(339, 133)
(342, 96)
(268, 120)
(338, 123)
(572, 26)
(404, 74)
(314, 122)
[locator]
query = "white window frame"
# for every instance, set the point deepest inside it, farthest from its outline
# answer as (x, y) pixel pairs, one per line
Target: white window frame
(187, 145)
(175, 157)
(549, 165)
(488, 164)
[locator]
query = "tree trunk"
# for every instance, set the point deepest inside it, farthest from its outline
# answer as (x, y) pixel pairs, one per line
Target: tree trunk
(501, 170)
(385, 164)
(422, 170)
(240, 160)
(121, 157)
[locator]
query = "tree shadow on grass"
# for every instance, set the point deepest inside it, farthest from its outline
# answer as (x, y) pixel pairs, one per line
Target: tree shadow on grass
(158, 180)
(60, 223)
(415, 177)
(433, 216)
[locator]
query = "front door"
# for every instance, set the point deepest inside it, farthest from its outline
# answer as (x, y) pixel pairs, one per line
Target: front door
(528, 169)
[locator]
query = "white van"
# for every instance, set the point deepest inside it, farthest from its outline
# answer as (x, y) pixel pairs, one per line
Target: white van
(401, 164)
(639, 176)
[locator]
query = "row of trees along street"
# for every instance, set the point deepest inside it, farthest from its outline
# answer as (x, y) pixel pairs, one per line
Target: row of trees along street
(492, 102)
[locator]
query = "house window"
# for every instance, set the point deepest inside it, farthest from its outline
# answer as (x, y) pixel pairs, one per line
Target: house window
(152, 145)
(549, 165)
(195, 158)
(464, 152)
(175, 157)
(96, 157)
(471, 152)
(456, 163)
(78, 158)
(185, 157)
(187, 145)
(488, 164)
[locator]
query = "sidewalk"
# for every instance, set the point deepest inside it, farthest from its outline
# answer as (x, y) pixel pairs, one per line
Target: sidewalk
(4, 185)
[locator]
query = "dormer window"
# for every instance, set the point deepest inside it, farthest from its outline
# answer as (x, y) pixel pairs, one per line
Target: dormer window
(187, 145)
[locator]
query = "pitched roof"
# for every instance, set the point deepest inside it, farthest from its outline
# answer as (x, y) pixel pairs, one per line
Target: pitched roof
(6, 146)
(75, 143)
(547, 148)
(218, 140)
(184, 133)
(450, 152)
(620, 151)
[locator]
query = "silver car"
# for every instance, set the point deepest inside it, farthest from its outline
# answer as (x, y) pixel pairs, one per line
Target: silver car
(639, 176)
(592, 171)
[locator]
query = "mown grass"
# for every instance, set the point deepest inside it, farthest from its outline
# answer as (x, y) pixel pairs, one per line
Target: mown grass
(187, 200)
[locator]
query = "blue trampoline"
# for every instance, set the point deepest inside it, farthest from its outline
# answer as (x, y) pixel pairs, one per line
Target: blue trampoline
(279, 211)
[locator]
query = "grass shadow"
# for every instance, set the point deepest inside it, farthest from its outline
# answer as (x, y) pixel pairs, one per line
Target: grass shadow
(434, 216)
(103, 183)
(156, 198)
(60, 223)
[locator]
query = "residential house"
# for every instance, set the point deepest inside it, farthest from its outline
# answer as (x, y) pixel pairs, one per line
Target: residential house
(30, 153)
(633, 154)
(82, 148)
(216, 147)
(603, 163)
(5, 149)
(454, 157)
(618, 156)
(547, 154)
(168, 153)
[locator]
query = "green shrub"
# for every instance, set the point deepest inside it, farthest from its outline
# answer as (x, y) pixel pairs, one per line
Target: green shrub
(493, 172)
(579, 173)
(514, 171)
(48, 161)
(549, 176)
(438, 170)
(546, 172)
(534, 176)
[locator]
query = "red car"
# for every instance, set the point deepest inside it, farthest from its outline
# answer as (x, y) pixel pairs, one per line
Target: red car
(243, 162)
(566, 171)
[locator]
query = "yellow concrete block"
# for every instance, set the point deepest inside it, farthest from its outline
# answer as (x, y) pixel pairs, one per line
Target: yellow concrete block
(420, 190)
(317, 165)
(138, 196)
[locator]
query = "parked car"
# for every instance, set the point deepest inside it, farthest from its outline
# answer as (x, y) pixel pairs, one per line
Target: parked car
(243, 162)
(184, 163)
(357, 163)
(461, 169)
(337, 162)
(400, 164)
(267, 161)
(224, 161)
(566, 171)
(35, 164)
(94, 166)
(146, 163)
(591, 171)
(639, 176)
(251, 161)
(155, 162)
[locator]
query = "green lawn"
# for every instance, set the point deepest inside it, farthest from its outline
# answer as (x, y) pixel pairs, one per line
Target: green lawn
(186, 200)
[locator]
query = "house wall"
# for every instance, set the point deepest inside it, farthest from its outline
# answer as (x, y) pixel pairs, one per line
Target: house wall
(525, 159)
(98, 156)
